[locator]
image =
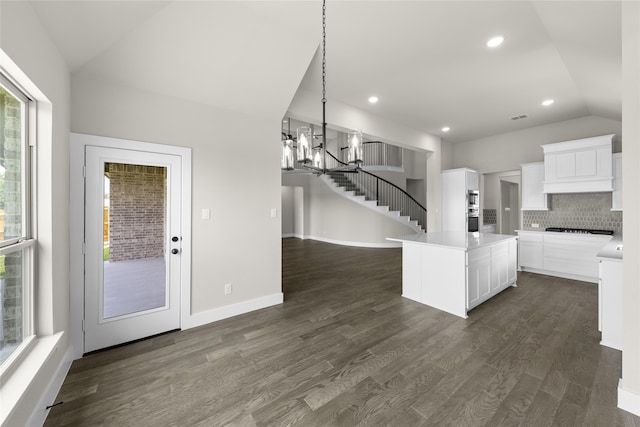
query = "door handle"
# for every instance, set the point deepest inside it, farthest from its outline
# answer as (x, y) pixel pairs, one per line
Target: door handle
(175, 238)
(175, 251)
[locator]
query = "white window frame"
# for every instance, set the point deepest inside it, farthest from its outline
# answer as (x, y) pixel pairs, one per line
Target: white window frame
(27, 242)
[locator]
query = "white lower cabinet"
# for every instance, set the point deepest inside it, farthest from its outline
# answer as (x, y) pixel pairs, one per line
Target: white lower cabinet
(561, 254)
(479, 277)
(531, 250)
(610, 303)
(499, 267)
(454, 279)
(490, 270)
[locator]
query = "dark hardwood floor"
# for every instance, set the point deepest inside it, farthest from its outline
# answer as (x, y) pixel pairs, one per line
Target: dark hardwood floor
(346, 349)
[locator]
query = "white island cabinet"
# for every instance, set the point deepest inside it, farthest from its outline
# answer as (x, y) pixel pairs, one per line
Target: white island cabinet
(456, 271)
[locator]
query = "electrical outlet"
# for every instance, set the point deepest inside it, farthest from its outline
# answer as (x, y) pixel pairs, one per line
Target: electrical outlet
(227, 288)
(535, 225)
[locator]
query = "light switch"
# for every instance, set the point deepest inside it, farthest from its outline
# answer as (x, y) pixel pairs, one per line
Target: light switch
(206, 214)
(274, 213)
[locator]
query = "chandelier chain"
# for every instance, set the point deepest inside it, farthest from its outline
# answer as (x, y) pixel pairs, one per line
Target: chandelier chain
(324, 51)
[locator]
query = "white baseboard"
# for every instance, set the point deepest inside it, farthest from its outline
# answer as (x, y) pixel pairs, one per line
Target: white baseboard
(39, 414)
(358, 244)
(209, 316)
(296, 235)
(560, 274)
(628, 400)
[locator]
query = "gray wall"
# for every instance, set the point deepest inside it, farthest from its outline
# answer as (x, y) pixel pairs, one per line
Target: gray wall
(240, 244)
(507, 151)
(287, 211)
(331, 217)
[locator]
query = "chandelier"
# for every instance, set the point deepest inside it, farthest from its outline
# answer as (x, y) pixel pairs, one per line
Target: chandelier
(313, 157)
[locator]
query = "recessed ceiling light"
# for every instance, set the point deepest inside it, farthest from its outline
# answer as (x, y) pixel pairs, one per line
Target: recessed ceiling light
(547, 102)
(446, 129)
(373, 99)
(495, 41)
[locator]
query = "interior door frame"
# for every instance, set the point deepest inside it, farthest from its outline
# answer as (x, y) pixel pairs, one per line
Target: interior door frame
(78, 143)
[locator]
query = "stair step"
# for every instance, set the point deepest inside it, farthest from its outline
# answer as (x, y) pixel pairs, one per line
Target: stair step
(352, 190)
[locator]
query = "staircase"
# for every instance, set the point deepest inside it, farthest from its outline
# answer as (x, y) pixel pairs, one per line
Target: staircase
(378, 194)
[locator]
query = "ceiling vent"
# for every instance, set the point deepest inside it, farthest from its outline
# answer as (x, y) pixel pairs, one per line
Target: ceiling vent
(521, 116)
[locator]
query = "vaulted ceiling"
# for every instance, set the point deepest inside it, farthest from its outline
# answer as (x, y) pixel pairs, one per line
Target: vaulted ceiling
(425, 60)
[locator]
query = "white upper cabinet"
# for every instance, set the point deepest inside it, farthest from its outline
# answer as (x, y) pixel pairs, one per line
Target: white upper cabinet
(533, 196)
(616, 199)
(455, 186)
(579, 166)
(473, 179)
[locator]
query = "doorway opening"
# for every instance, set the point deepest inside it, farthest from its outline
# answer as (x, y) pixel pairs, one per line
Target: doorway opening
(509, 204)
(101, 314)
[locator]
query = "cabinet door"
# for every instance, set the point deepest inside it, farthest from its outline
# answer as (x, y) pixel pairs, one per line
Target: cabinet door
(512, 274)
(499, 268)
(616, 197)
(478, 277)
(610, 301)
(472, 181)
(454, 201)
(531, 254)
(533, 198)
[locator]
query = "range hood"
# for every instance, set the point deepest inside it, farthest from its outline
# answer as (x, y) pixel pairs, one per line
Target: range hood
(579, 166)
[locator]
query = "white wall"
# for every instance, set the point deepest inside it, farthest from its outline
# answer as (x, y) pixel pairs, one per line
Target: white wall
(240, 244)
(26, 43)
(507, 151)
(631, 201)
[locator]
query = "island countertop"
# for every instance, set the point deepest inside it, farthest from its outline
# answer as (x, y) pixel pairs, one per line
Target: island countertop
(612, 251)
(454, 239)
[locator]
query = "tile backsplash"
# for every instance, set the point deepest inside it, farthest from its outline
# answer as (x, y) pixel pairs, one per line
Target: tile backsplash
(577, 210)
(489, 216)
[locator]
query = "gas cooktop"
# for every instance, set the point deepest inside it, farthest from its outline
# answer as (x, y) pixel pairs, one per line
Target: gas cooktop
(579, 230)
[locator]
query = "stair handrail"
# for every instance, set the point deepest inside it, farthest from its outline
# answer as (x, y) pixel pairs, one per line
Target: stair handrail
(420, 214)
(393, 185)
(359, 169)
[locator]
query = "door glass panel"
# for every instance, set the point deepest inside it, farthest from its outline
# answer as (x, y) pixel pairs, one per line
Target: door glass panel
(134, 239)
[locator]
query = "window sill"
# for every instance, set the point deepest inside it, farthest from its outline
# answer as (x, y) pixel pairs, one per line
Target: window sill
(16, 380)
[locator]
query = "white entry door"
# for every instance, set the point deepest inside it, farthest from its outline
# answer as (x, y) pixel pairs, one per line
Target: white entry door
(133, 245)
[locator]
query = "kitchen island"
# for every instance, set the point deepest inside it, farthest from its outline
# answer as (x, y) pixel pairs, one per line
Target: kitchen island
(456, 271)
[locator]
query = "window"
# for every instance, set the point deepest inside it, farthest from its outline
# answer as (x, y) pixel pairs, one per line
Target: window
(16, 239)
